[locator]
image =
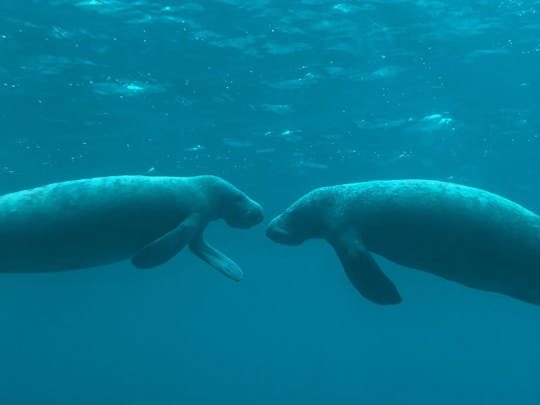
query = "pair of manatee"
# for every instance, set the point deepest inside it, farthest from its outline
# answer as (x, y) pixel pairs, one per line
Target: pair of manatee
(461, 233)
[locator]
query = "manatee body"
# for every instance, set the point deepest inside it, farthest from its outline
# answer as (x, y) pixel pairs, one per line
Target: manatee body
(91, 222)
(461, 233)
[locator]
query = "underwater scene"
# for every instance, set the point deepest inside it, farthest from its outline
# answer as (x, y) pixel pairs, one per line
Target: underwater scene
(205, 131)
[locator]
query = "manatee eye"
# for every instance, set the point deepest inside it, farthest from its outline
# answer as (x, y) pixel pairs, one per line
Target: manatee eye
(238, 198)
(236, 201)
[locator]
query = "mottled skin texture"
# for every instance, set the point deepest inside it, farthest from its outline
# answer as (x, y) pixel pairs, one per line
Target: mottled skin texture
(460, 233)
(91, 222)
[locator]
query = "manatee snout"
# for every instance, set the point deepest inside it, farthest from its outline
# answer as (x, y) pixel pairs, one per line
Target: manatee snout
(278, 232)
(249, 215)
(253, 215)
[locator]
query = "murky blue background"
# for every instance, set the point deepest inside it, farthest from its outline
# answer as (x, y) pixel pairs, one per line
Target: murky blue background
(277, 97)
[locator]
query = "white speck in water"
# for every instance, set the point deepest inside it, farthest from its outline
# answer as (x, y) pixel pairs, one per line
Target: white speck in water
(134, 87)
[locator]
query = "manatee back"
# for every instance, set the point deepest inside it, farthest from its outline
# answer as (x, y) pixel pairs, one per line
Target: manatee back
(442, 226)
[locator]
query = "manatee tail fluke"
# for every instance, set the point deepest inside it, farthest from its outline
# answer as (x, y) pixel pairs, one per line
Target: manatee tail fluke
(362, 270)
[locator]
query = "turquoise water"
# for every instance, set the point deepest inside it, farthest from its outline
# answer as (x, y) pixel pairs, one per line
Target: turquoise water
(278, 97)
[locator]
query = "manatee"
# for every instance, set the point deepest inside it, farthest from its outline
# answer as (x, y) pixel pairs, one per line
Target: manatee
(91, 222)
(463, 234)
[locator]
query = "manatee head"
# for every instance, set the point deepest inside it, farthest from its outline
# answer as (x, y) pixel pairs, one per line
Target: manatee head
(305, 219)
(234, 206)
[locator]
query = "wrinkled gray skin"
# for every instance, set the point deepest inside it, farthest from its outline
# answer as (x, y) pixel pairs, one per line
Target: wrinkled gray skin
(463, 234)
(98, 221)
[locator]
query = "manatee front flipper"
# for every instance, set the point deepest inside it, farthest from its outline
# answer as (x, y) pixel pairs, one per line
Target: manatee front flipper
(363, 271)
(166, 247)
(215, 258)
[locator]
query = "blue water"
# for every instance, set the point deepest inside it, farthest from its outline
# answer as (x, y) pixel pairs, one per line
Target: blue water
(277, 97)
